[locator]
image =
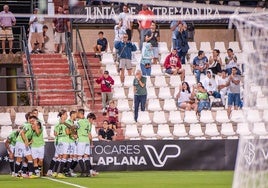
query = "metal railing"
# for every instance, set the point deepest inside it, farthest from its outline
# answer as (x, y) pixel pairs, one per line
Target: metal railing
(88, 74)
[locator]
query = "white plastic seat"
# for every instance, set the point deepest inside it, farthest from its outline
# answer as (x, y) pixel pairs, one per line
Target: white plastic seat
(188, 69)
(53, 118)
(127, 117)
(212, 130)
(94, 133)
(5, 119)
(195, 130)
(163, 131)
(130, 94)
(151, 93)
(190, 117)
(128, 82)
(179, 130)
(248, 47)
(222, 116)
(123, 105)
(175, 117)
(149, 82)
(242, 129)
(160, 81)
(156, 70)
(107, 58)
(159, 117)
(253, 116)
(227, 129)
(191, 79)
(117, 81)
(6, 130)
(164, 93)
(169, 105)
(205, 46)
(41, 117)
(237, 116)
(144, 117)
(259, 129)
(175, 80)
(132, 132)
(147, 131)
(220, 46)
(264, 116)
(206, 116)
(235, 46)
(163, 58)
(45, 135)
(119, 93)
(262, 103)
(154, 105)
(20, 118)
(192, 47)
(112, 69)
(162, 47)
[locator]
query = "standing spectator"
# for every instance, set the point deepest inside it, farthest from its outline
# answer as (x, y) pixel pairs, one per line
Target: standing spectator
(106, 82)
(7, 20)
(105, 134)
(222, 85)
(46, 38)
(60, 26)
(146, 59)
(119, 32)
(174, 28)
(102, 44)
(112, 113)
(140, 93)
(182, 41)
(231, 61)
(36, 31)
(124, 50)
(145, 23)
(234, 91)
(200, 64)
(185, 98)
(153, 36)
(215, 62)
(127, 21)
(210, 85)
(173, 65)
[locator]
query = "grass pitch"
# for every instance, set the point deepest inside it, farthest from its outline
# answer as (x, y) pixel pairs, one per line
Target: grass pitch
(144, 179)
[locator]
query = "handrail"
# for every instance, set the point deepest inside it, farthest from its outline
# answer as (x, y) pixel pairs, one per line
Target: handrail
(28, 59)
(86, 66)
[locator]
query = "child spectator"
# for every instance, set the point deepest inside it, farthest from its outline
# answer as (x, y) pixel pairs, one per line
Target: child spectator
(146, 59)
(101, 45)
(112, 113)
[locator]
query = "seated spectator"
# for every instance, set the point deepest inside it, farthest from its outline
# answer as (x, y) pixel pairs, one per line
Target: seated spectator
(200, 64)
(146, 59)
(101, 45)
(222, 85)
(173, 65)
(231, 61)
(202, 99)
(112, 113)
(215, 62)
(105, 134)
(184, 97)
(210, 85)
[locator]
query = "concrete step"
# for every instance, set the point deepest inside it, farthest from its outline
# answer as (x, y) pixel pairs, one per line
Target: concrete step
(51, 71)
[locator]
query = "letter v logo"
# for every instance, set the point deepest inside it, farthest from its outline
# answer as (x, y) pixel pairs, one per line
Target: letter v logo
(157, 159)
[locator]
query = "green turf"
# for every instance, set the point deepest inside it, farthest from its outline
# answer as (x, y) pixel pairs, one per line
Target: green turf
(148, 179)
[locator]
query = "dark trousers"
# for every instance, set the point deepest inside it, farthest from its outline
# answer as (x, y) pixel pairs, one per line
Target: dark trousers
(139, 100)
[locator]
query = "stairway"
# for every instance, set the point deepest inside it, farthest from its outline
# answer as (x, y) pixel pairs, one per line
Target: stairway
(51, 79)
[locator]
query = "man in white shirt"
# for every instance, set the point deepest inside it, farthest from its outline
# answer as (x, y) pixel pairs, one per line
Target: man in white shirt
(210, 85)
(222, 85)
(127, 21)
(36, 31)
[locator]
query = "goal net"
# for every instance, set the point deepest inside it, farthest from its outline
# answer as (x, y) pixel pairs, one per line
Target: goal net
(251, 169)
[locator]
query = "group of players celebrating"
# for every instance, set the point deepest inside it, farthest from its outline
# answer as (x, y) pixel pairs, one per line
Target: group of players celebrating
(73, 142)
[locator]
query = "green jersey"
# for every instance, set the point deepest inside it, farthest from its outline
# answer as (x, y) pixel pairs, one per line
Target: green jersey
(60, 129)
(12, 137)
(27, 128)
(38, 140)
(84, 128)
(73, 131)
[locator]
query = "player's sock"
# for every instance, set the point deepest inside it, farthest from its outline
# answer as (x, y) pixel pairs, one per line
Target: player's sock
(57, 164)
(74, 163)
(68, 164)
(17, 167)
(31, 166)
(88, 164)
(24, 168)
(81, 164)
(11, 163)
(52, 164)
(62, 165)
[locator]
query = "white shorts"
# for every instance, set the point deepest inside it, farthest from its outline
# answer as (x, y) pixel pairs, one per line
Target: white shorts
(156, 52)
(62, 148)
(12, 149)
(125, 63)
(72, 149)
(38, 153)
(59, 38)
(21, 150)
(83, 148)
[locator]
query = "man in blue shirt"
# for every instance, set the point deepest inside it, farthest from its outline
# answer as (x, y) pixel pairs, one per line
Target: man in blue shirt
(101, 45)
(200, 64)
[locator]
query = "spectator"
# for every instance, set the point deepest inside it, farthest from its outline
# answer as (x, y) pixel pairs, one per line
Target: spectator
(60, 26)
(102, 44)
(105, 134)
(144, 24)
(202, 99)
(173, 65)
(182, 41)
(127, 21)
(124, 50)
(200, 64)
(119, 32)
(112, 113)
(234, 91)
(140, 93)
(146, 59)
(210, 85)
(7, 20)
(231, 61)
(184, 97)
(215, 62)
(222, 85)
(174, 28)
(153, 36)
(46, 38)
(36, 29)
(106, 82)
